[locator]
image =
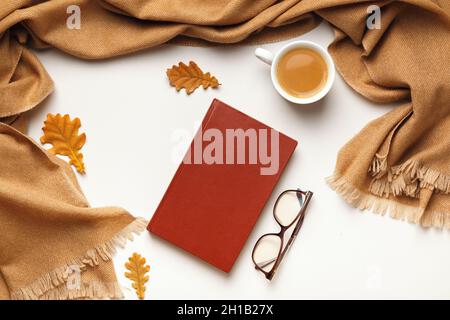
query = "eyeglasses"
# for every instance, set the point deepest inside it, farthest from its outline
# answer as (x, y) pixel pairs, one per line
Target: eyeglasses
(269, 250)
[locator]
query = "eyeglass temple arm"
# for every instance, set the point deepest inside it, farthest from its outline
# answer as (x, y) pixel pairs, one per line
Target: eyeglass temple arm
(308, 197)
(266, 263)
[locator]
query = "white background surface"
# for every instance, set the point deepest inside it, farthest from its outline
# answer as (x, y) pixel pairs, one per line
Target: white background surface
(130, 113)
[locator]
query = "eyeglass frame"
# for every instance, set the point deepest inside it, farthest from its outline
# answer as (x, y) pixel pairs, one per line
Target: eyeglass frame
(282, 252)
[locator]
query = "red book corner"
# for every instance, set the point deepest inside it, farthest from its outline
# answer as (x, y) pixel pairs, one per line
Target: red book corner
(212, 204)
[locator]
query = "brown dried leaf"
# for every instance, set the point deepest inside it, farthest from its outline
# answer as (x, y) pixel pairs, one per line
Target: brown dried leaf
(190, 77)
(62, 133)
(138, 273)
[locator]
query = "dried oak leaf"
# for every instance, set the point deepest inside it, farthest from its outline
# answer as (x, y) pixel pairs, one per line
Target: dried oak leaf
(190, 77)
(138, 273)
(62, 133)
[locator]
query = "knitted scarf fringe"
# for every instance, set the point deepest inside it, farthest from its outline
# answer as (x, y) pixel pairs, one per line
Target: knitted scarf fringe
(90, 290)
(405, 179)
(383, 206)
(52, 285)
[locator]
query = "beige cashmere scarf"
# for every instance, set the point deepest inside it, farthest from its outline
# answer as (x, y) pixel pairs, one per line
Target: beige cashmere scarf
(399, 163)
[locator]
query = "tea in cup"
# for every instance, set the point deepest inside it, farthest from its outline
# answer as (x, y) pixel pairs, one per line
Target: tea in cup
(302, 71)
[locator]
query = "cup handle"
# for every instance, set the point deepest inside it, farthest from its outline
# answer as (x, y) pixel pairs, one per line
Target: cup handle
(264, 55)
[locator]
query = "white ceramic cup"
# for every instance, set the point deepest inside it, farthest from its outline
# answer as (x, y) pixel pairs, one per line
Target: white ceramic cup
(273, 59)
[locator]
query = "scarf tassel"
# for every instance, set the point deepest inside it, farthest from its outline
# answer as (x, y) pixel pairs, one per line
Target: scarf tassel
(407, 179)
(53, 286)
(382, 206)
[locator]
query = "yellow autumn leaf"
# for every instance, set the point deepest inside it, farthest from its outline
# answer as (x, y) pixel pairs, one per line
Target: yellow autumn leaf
(190, 77)
(62, 132)
(138, 273)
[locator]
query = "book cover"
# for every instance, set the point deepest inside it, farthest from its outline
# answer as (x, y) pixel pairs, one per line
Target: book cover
(222, 185)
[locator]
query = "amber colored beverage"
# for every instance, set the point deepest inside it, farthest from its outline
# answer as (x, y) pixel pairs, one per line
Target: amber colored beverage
(302, 72)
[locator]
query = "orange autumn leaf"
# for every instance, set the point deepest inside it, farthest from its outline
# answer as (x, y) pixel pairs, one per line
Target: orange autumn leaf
(138, 273)
(190, 77)
(62, 133)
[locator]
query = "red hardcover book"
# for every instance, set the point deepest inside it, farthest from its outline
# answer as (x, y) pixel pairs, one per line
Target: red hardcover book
(222, 185)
